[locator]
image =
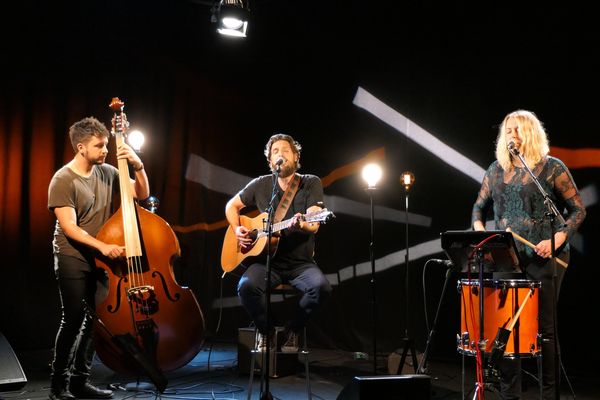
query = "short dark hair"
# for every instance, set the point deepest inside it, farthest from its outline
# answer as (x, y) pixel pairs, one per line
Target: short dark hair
(296, 147)
(82, 131)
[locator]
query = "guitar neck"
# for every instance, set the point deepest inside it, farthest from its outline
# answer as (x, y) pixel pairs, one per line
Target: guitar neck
(279, 226)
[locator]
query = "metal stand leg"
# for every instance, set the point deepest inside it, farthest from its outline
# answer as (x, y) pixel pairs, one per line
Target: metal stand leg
(252, 365)
(463, 376)
(304, 352)
(540, 376)
(253, 353)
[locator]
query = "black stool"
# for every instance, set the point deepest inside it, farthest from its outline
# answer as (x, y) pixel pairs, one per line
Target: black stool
(285, 290)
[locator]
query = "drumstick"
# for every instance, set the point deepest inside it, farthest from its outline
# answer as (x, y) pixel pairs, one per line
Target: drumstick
(514, 319)
(528, 243)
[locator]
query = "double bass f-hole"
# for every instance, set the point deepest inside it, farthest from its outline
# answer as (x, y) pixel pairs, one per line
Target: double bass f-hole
(144, 302)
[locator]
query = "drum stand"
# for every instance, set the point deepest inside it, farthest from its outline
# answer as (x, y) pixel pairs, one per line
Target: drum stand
(480, 384)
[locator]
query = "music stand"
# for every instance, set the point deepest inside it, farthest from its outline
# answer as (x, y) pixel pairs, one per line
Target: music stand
(499, 253)
(488, 253)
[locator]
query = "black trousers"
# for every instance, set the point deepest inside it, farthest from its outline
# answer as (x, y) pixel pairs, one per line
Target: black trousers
(510, 370)
(73, 350)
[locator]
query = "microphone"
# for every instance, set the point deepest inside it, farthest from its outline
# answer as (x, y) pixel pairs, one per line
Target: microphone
(512, 148)
(446, 263)
(278, 163)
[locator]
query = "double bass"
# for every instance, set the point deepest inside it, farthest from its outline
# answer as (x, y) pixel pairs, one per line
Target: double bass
(144, 302)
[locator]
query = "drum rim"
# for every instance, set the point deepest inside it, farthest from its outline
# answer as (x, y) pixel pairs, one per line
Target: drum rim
(517, 283)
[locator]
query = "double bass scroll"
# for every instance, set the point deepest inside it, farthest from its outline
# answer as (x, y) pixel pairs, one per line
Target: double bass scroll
(143, 299)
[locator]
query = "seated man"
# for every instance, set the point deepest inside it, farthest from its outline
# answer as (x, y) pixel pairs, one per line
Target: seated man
(293, 261)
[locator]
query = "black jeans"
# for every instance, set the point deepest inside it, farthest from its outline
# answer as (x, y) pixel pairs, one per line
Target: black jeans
(511, 369)
(73, 350)
(307, 278)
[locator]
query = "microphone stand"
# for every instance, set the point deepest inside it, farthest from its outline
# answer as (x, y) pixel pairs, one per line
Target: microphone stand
(552, 214)
(422, 369)
(266, 394)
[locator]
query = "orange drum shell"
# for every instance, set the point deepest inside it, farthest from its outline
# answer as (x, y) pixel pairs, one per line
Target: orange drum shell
(501, 301)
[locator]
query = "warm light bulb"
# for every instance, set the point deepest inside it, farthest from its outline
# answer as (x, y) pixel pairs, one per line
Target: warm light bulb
(407, 179)
(136, 140)
(371, 173)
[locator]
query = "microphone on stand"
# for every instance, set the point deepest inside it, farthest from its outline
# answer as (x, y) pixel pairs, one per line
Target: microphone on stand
(512, 148)
(278, 163)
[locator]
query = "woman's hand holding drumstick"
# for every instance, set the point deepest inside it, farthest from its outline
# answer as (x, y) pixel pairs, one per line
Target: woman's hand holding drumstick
(528, 243)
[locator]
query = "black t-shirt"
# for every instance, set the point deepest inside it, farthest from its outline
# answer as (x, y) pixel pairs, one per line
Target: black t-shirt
(295, 248)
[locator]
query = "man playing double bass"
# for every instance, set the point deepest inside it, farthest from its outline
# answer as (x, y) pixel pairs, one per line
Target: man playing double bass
(80, 194)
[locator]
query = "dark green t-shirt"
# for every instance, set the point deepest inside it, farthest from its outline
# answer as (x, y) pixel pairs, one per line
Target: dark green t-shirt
(91, 197)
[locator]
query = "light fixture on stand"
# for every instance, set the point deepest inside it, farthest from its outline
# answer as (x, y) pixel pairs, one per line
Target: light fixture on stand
(372, 173)
(407, 179)
(232, 17)
(136, 140)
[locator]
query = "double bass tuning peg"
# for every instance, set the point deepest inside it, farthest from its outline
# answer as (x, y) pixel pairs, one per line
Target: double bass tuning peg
(119, 120)
(119, 123)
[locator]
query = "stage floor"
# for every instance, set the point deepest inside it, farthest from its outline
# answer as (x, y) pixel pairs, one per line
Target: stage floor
(214, 374)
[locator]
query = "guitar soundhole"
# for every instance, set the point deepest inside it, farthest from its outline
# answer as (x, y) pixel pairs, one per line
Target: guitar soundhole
(253, 234)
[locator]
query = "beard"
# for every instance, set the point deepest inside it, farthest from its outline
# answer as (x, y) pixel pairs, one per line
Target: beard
(288, 168)
(98, 160)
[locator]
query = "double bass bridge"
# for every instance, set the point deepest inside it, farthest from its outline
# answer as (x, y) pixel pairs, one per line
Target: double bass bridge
(139, 290)
(143, 299)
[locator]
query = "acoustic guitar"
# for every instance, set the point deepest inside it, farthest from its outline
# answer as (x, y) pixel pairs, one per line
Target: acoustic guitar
(233, 254)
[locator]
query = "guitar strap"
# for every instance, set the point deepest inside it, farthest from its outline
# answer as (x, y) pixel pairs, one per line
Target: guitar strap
(286, 199)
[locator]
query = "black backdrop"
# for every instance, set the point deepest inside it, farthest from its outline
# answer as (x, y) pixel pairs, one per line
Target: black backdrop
(455, 70)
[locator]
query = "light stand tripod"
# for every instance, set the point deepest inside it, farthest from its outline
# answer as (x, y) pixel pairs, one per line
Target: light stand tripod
(371, 173)
(373, 290)
(407, 179)
(265, 391)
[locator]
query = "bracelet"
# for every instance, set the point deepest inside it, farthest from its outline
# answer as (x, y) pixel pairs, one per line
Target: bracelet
(139, 169)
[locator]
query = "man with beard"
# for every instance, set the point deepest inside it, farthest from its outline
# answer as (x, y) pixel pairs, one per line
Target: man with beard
(293, 262)
(81, 196)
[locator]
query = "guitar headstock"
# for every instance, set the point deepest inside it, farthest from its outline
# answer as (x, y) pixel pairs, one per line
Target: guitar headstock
(322, 216)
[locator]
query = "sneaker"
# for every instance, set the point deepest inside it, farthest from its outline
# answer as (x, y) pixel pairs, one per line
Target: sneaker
(261, 342)
(291, 343)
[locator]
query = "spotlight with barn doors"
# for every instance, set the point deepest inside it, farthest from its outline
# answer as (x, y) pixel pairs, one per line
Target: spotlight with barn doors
(232, 17)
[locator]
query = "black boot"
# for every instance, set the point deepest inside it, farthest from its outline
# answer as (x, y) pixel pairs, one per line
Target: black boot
(86, 390)
(59, 388)
(60, 392)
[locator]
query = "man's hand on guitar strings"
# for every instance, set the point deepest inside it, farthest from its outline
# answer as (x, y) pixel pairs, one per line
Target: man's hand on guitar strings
(241, 232)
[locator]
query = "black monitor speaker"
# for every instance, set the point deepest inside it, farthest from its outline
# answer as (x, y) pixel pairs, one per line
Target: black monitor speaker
(12, 376)
(389, 387)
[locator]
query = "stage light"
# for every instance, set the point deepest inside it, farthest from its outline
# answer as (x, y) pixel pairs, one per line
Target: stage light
(407, 179)
(232, 16)
(136, 140)
(371, 173)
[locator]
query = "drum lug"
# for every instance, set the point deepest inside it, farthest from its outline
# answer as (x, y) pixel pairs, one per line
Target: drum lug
(462, 342)
(483, 345)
